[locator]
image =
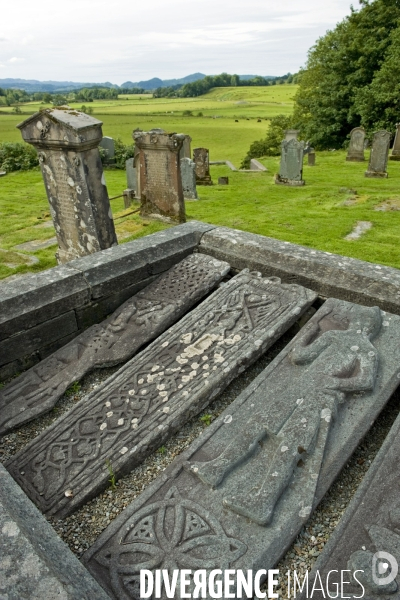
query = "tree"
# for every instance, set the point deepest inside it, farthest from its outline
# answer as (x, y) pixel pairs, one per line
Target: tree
(340, 65)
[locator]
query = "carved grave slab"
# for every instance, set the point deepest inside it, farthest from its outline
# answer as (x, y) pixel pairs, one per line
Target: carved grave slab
(355, 152)
(291, 165)
(201, 158)
(379, 154)
(371, 524)
(139, 320)
(237, 497)
(150, 398)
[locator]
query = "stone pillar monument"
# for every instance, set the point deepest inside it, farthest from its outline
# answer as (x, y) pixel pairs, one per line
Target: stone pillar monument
(355, 152)
(159, 177)
(379, 154)
(396, 145)
(202, 166)
(67, 142)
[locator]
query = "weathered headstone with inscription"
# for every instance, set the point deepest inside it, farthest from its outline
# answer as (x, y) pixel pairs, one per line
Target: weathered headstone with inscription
(379, 155)
(109, 146)
(396, 145)
(201, 159)
(370, 525)
(138, 321)
(185, 151)
(291, 134)
(150, 398)
(188, 179)
(67, 143)
(291, 166)
(161, 194)
(355, 152)
(238, 496)
(130, 174)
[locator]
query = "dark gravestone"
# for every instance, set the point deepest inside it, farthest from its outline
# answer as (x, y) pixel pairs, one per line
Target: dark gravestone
(396, 145)
(355, 152)
(240, 494)
(379, 155)
(160, 184)
(138, 321)
(291, 167)
(67, 142)
(311, 158)
(154, 394)
(223, 180)
(201, 160)
(188, 179)
(371, 524)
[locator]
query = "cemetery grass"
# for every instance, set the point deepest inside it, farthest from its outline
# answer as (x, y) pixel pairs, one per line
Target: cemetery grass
(319, 215)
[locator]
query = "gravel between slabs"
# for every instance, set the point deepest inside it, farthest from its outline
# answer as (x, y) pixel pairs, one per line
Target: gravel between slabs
(81, 529)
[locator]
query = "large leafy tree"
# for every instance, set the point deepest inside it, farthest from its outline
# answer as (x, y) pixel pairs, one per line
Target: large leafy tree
(332, 96)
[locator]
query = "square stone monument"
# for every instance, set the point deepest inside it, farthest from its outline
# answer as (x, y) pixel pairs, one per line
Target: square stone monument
(201, 159)
(355, 152)
(396, 145)
(379, 155)
(188, 179)
(161, 193)
(291, 167)
(67, 142)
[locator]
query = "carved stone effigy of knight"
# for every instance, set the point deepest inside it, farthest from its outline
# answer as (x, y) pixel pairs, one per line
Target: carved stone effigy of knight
(338, 362)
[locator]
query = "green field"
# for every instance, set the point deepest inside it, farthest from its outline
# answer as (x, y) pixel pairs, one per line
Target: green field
(320, 215)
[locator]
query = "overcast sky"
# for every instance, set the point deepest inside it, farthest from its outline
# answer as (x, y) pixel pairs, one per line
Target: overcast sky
(133, 40)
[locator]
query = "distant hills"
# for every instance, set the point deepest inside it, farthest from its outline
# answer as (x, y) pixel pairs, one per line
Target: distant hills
(33, 85)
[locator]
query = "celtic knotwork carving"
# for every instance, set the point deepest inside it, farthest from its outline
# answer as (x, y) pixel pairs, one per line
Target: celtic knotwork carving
(174, 533)
(334, 363)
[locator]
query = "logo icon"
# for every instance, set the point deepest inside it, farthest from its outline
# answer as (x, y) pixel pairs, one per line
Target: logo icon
(384, 568)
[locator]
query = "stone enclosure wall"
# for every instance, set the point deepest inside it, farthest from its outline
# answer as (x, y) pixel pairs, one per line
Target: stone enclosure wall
(41, 313)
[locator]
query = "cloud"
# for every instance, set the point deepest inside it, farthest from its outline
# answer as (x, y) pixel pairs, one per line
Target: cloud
(15, 59)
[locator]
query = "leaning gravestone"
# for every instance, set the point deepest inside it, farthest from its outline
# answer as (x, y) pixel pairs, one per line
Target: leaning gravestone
(379, 155)
(355, 152)
(67, 143)
(238, 496)
(291, 167)
(155, 393)
(161, 195)
(370, 525)
(396, 145)
(109, 146)
(138, 321)
(202, 166)
(188, 179)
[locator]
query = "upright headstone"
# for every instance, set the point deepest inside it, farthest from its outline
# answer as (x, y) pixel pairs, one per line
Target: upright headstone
(161, 193)
(311, 158)
(291, 134)
(185, 151)
(108, 144)
(355, 152)
(188, 179)
(130, 174)
(291, 167)
(67, 142)
(396, 145)
(379, 154)
(202, 169)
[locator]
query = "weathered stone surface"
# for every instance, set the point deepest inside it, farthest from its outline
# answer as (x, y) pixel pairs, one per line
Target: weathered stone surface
(149, 398)
(185, 151)
(67, 142)
(396, 145)
(369, 525)
(255, 165)
(326, 273)
(291, 134)
(291, 166)
(240, 493)
(34, 563)
(379, 154)
(223, 180)
(161, 194)
(311, 158)
(201, 160)
(138, 321)
(188, 179)
(131, 177)
(109, 146)
(35, 245)
(355, 152)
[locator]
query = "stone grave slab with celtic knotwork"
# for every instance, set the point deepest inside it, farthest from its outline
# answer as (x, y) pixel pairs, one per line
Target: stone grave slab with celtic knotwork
(138, 321)
(371, 524)
(151, 397)
(238, 496)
